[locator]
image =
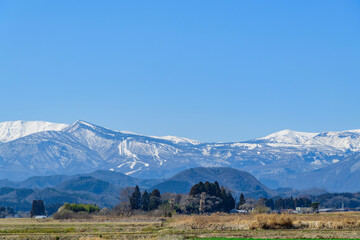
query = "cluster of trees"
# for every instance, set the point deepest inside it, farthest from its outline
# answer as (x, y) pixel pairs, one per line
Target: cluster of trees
(209, 197)
(146, 201)
(276, 203)
(202, 198)
(6, 211)
(37, 208)
(338, 200)
(286, 203)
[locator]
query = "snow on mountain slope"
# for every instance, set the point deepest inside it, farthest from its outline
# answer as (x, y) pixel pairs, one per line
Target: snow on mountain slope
(175, 139)
(46, 153)
(84, 146)
(12, 130)
(290, 137)
(340, 177)
(270, 158)
(342, 140)
(124, 151)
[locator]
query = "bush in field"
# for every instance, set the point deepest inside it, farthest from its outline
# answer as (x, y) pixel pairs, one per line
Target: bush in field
(261, 209)
(75, 211)
(67, 214)
(64, 214)
(273, 222)
(75, 207)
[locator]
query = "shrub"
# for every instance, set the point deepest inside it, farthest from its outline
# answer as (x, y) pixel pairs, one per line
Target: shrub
(67, 214)
(64, 214)
(89, 208)
(75, 211)
(273, 222)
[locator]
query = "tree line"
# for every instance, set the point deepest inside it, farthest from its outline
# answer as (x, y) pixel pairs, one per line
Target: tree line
(145, 201)
(202, 198)
(276, 203)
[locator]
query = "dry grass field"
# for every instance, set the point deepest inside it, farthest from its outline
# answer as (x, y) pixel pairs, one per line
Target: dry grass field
(316, 226)
(312, 226)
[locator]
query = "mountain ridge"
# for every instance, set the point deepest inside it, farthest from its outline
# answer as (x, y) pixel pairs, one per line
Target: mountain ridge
(103, 187)
(276, 159)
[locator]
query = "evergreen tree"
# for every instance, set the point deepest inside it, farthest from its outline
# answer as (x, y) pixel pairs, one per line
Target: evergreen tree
(207, 187)
(145, 199)
(201, 187)
(154, 201)
(242, 199)
(223, 193)
(194, 190)
(269, 203)
(135, 199)
(155, 193)
(228, 202)
(217, 189)
(37, 208)
(279, 204)
(315, 206)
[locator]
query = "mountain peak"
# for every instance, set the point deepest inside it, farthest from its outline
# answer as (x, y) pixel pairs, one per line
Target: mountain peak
(81, 124)
(289, 136)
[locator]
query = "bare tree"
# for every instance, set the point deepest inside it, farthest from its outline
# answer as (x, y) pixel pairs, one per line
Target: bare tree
(124, 208)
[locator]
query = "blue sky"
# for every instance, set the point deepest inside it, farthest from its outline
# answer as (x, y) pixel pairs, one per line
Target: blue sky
(208, 70)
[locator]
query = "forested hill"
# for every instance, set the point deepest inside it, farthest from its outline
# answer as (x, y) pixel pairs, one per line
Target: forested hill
(235, 180)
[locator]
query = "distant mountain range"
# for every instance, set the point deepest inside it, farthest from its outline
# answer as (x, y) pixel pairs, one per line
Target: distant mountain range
(103, 187)
(284, 159)
(116, 179)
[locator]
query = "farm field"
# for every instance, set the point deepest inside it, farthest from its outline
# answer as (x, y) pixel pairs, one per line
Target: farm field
(312, 226)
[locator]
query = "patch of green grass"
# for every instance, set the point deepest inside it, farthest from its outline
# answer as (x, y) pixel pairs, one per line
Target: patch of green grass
(38, 230)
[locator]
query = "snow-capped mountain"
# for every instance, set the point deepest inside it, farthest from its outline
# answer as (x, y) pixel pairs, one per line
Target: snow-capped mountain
(13, 130)
(344, 140)
(276, 160)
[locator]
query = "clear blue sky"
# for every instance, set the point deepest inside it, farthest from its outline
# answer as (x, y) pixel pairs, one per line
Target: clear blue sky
(208, 70)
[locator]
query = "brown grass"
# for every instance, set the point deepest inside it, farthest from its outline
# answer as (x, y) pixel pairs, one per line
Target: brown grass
(273, 222)
(334, 221)
(320, 226)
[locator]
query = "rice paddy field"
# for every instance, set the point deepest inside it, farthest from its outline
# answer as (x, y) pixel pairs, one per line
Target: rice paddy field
(216, 226)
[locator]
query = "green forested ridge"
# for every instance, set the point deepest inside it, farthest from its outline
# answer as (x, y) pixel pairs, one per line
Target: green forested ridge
(103, 188)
